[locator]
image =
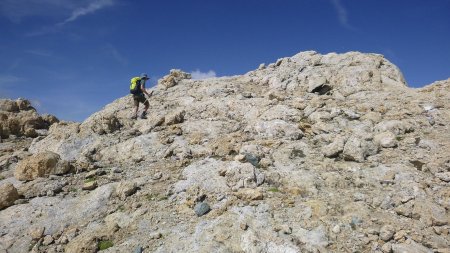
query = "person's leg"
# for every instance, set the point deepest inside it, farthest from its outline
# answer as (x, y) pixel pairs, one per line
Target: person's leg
(136, 106)
(146, 104)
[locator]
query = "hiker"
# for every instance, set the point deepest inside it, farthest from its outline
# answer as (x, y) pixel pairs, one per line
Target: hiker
(137, 88)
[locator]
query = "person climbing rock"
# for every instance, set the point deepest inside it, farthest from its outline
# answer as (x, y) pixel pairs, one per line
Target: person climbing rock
(137, 88)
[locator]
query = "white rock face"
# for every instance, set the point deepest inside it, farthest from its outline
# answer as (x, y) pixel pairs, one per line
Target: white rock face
(312, 153)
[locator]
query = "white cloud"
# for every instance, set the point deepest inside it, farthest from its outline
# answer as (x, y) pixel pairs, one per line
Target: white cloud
(91, 8)
(17, 10)
(342, 14)
(197, 74)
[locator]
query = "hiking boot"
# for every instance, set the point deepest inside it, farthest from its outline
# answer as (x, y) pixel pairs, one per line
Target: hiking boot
(144, 115)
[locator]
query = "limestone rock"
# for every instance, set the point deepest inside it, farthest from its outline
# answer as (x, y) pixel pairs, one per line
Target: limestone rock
(387, 232)
(41, 165)
(412, 247)
(256, 148)
(19, 118)
(334, 148)
(173, 78)
(385, 140)
(249, 194)
(125, 189)
(8, 194)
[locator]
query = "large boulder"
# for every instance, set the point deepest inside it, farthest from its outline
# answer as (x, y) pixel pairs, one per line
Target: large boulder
(8, 194)
(41, 165)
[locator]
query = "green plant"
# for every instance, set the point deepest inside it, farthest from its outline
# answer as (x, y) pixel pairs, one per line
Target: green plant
(91, 179)
(73, 189)
(162, 198)
(153, 197)
(2, 177)
(274, 189)
(399, 138)
(102, 245)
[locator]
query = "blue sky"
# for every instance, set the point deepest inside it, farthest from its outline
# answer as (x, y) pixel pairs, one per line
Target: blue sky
(72, 57)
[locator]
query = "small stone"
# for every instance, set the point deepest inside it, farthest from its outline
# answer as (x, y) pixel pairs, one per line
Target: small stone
(155, 235)
(387, 232)
(36, 233)
(243, 226)
(91, 174)
(138, 249)
(136, 205)
(385, 140)
(240, 158)
(399, 235)
(359, 197)
(125, 189)
(249, 194)
(158, 175)
(62, 240)
(116, 170)
(387, 247)
(403, 210)
(48, 239)
(336, 229)
(201, 209)
(89, 186)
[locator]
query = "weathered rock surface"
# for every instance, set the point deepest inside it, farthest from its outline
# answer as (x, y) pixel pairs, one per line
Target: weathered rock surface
(8, 194)
(312, 153)
(40, 165)
(19, 118)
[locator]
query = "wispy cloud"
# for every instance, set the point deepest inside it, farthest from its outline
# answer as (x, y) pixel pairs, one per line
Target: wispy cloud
(9, 79)
(40, 52)
(17, 10)
(14, 64)
(91, 8)
(342, 14)
(115, 54)
(198, 75)
(6, 84)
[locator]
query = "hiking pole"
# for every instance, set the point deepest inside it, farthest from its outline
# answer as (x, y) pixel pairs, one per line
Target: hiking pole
(146, 98)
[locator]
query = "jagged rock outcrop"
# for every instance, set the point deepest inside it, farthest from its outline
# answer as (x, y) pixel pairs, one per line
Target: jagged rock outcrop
(312, 153)
(19, 118)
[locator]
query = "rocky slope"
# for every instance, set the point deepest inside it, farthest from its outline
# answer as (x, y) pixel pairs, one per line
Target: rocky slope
(313, 153)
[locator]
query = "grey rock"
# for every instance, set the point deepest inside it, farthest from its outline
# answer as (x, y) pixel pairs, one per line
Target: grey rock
(201, 209)
(138, 249)
(387, 232)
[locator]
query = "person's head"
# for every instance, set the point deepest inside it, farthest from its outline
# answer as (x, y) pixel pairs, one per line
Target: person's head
(144, 76)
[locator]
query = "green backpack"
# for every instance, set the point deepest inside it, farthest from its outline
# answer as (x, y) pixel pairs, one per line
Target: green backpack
(135, 87)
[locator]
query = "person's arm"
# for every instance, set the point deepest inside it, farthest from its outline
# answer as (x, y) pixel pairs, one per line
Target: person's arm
(144, 90)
